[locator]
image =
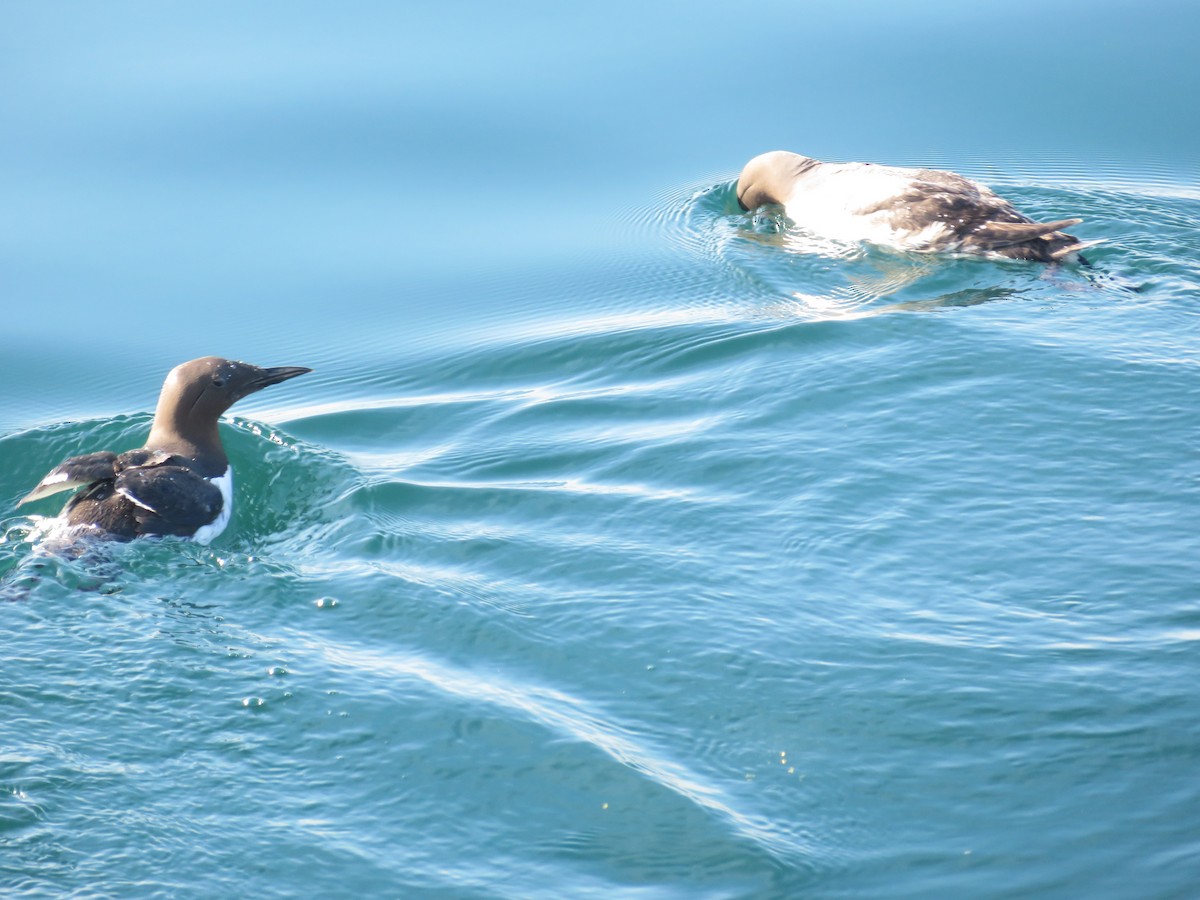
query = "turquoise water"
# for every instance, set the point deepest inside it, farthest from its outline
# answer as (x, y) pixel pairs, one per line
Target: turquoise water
(621, 543)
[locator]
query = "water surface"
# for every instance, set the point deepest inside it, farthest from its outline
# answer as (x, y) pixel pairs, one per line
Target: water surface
(622, 543)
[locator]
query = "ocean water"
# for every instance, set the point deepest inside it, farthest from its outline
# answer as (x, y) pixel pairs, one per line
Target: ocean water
(621, 544)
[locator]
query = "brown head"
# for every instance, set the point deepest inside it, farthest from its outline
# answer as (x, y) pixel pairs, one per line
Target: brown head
(197, 393)
(768, 178)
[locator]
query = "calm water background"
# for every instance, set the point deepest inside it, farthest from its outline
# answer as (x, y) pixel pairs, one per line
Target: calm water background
(621, 544)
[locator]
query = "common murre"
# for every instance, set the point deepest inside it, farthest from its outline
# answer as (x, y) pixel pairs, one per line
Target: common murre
(180, 483)
(921, 210)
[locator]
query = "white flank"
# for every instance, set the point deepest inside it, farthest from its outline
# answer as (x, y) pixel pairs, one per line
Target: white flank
(830, 202)
(224, 483)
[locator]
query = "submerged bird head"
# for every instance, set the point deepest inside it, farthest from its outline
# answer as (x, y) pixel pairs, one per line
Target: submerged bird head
(196, 394)
(768, 178)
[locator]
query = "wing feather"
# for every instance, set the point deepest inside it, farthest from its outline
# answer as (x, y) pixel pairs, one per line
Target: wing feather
(1006, 234)
(73, 473)
(170, 499)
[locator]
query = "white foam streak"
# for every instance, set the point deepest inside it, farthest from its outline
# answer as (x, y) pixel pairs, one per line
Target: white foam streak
(569, 716)
(623, 322)
(526, 395)
(570, 486)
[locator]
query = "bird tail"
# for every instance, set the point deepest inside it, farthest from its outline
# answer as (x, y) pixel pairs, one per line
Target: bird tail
(1006, 234)
(1075, 248)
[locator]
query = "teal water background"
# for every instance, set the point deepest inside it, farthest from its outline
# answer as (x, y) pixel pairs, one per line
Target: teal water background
(621, 543)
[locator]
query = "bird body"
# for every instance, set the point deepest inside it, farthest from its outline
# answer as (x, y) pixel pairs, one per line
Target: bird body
(922, 210)
(180, 483)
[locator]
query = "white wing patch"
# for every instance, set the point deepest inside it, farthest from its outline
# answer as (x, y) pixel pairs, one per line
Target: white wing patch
(224, 484)
(135, 501)
(56, 481)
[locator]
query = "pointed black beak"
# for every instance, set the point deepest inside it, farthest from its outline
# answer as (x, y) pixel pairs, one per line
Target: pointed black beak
(255, 378)
(278, 374)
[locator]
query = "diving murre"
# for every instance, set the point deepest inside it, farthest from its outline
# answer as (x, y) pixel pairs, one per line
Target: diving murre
(180, 483)
(923, 210)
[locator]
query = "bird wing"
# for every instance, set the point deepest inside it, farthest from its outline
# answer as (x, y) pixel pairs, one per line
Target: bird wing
(74, 472)
(1007, 234)
(169, 499)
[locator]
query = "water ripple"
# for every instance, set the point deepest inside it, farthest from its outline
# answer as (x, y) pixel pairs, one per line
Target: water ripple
(573, 719)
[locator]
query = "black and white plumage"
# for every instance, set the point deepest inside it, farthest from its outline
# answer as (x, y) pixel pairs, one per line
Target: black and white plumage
(923, 210)
(180, 483)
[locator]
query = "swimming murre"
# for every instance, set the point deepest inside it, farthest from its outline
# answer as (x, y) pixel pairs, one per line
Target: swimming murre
(180, 483)
(923, 210)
